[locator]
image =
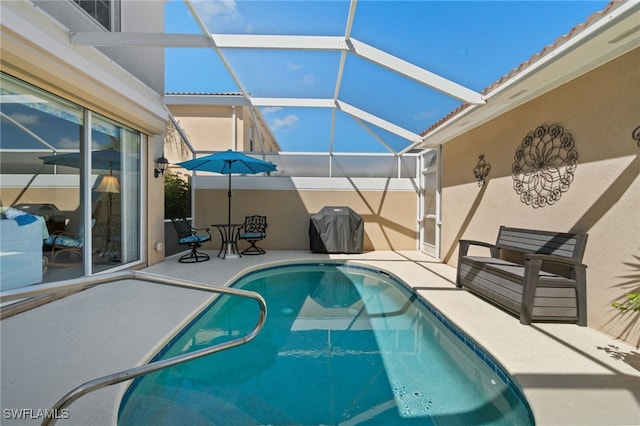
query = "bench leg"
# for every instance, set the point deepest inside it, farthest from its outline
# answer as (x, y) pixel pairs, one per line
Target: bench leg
(531, 271)
(463, 249)
(458, 281)
(581, 295)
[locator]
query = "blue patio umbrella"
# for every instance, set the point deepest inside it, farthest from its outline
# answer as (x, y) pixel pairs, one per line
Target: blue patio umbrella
(104, 159)
(228, 162)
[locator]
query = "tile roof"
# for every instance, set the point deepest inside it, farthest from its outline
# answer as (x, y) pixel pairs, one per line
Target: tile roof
(596, 16)
(204, 94)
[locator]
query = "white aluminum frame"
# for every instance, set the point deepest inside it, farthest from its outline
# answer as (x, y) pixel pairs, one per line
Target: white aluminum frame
(345, 44)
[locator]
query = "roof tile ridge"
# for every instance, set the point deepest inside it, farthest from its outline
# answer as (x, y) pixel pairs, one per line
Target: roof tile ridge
(205, 93)
(559, 41)
(576, 29)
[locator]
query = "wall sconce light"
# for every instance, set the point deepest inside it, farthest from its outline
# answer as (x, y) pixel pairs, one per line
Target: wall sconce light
(481, 170)
(161, 165)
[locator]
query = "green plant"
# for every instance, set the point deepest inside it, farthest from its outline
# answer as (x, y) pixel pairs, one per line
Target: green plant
(177, 195)
(632, 304)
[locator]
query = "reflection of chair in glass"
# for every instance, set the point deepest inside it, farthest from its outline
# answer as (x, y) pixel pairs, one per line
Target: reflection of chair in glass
(188, 236)
(48, 213)
(67, 242)
(254, 230)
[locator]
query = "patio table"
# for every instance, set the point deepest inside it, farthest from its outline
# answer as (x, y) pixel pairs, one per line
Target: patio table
(229, 234)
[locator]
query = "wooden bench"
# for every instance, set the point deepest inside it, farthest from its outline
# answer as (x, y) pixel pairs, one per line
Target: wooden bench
(537, 275)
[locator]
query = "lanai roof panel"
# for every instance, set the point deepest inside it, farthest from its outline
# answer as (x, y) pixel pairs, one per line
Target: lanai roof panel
(363, 60)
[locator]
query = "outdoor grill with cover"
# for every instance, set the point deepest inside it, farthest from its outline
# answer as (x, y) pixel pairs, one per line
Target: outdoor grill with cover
(336, 230)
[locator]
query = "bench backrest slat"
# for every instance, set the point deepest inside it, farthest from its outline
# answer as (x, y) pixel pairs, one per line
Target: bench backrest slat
(544, 242)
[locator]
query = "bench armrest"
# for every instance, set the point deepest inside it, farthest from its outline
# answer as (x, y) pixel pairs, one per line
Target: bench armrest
(532, 265)
(554, 259)
(465, 244)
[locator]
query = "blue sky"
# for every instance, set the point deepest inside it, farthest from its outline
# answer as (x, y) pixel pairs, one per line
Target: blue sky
(472, 43)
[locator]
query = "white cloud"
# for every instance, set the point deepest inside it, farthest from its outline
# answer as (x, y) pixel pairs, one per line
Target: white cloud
(270, 110)
(294, 67)
(286, 123)
(26, 119)
(68, 143)
(209, 9)
(424, 115)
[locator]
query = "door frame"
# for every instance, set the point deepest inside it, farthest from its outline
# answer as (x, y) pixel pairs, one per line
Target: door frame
(434, 168)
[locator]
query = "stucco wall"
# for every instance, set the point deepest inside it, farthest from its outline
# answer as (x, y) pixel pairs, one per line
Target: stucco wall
(207, 127)
(389, 216)
(155, 203)
(135, 16)
(600, 110)
(211, 128)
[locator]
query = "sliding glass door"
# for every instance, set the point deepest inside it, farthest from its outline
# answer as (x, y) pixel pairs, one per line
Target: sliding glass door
(77, 174)
(115, 196)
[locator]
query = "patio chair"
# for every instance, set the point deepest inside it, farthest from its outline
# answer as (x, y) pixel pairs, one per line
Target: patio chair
(188, 235)
(254, 230)
(71, 243)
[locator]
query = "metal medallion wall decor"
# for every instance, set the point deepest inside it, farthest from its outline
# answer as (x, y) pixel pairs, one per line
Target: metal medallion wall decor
(544, 165)
(636, 135)
(481, 170)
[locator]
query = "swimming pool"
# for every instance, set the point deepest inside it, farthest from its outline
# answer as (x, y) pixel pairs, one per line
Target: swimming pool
(342, 344)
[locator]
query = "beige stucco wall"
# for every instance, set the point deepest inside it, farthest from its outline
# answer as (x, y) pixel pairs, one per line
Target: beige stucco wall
(389, 216)
(135, 16)
(600, 109)
(212, 128)
(207, 127)
(155, 203)
(65, 199)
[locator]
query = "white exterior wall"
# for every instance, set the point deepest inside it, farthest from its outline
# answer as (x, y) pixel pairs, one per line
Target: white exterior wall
(136, 16)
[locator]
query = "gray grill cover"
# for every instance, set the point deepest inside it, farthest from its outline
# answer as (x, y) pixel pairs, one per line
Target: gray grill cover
(336, 230)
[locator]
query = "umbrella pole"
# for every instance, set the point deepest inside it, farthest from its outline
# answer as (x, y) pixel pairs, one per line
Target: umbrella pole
(230, 249)
(229, 196)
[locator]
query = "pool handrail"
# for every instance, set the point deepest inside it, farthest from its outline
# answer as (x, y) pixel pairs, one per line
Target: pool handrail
(132, 373)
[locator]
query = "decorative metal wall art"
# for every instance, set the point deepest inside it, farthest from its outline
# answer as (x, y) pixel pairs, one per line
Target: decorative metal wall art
(636, 135)
(544, 165)
(481, 170)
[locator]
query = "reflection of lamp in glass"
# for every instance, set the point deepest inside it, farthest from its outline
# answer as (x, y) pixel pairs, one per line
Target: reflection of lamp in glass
(110, 185)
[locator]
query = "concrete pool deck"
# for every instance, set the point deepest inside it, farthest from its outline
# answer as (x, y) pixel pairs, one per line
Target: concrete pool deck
(570, 375)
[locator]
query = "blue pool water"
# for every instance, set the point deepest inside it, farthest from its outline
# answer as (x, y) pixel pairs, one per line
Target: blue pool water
(341, 345)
